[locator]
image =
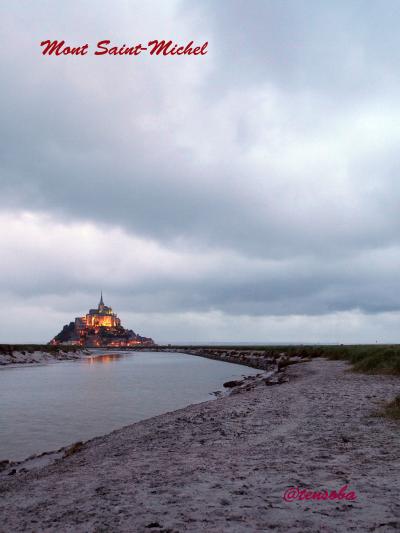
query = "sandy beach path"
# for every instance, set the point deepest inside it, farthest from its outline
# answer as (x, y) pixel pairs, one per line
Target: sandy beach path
(224, 465)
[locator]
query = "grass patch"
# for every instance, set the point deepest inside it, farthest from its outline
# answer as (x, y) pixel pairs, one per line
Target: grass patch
(383, 359)
(392, 409)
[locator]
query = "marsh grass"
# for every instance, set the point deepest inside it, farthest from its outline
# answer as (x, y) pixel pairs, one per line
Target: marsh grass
(373, 359)
(392, 409)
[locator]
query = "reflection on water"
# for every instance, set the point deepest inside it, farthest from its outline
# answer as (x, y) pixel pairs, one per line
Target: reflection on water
(46, 407)
(103, 359)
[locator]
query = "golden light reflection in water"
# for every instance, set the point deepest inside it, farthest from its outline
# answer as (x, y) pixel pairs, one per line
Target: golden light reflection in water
(103, 359)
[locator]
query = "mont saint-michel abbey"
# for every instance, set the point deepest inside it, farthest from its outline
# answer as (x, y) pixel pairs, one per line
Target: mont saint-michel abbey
(102, 316)
(100, 327)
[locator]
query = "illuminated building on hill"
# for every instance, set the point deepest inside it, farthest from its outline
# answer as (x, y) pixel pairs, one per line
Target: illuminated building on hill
(102, 316)
(100, 327)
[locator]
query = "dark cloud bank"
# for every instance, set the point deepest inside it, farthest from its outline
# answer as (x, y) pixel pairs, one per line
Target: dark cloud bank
(265, 173)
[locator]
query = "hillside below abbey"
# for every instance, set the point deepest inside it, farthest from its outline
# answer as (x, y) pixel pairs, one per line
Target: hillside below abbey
(100, 327)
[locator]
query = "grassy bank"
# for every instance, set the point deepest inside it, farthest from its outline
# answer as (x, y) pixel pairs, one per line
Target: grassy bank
(374, 359)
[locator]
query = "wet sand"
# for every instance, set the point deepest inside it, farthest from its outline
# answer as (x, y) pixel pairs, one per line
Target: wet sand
(223, 465)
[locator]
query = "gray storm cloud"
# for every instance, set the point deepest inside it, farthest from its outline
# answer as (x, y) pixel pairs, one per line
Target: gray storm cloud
(257, 181)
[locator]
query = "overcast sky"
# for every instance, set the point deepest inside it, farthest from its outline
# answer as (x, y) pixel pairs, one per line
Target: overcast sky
(250, 194)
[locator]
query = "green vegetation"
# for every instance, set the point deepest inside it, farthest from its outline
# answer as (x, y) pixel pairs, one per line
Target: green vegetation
(373, 359)
(392, 409)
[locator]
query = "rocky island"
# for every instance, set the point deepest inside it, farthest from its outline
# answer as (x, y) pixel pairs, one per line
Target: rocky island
(99, 328)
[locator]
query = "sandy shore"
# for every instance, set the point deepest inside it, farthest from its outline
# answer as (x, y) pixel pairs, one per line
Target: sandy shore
(223, 465)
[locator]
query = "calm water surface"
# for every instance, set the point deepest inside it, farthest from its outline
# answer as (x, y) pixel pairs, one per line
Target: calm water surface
(45, 407)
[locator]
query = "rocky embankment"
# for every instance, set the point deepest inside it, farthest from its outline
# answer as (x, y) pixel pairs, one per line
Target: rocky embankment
(263, 359)
(22, 355)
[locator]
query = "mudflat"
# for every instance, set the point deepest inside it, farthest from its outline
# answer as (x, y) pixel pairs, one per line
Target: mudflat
(225, 464)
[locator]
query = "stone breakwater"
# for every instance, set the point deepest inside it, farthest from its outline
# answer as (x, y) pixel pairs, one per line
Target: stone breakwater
(262, 359)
